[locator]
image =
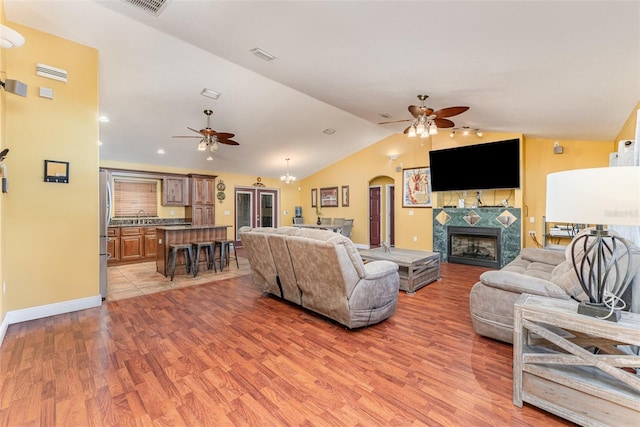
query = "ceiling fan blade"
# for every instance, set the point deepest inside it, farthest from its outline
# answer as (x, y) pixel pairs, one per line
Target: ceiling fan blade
(450, 111)
(185, 136)
(228, 142)
(224, 135)
(192, 129)
(394, 121)
(406, 130)
(443, 123)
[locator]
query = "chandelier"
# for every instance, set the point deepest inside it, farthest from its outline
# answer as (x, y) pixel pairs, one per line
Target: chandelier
(287, 178)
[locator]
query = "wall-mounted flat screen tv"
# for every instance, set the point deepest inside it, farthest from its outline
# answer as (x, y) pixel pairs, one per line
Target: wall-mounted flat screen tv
(495, 165)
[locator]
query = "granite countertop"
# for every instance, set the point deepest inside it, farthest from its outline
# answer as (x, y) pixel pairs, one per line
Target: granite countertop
(189, 227)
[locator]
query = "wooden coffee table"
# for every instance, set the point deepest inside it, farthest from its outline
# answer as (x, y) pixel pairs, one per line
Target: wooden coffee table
(416, 268)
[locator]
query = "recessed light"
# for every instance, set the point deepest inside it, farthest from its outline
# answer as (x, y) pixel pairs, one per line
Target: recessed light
(329, 131)
(210, 93)
(262, 54)
(209, 158)
(99, 142)
(160, 151)
(103, 119)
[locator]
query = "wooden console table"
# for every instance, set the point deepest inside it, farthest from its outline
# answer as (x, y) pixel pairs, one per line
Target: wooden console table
(416, 268)
(556, 366)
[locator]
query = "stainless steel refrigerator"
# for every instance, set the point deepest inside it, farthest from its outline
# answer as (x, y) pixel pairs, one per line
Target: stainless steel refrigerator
(105, 214)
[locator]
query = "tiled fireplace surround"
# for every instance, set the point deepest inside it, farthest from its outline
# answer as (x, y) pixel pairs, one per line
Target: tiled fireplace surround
(508, 220)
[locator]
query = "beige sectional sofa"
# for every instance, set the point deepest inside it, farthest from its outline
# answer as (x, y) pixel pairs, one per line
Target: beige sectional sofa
(321, 271)
(545, 272)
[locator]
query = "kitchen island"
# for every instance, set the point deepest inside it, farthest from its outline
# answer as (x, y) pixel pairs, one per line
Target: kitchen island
(184, 234)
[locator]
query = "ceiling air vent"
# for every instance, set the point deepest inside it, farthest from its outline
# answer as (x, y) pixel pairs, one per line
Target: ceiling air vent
(153, 7)
(51, 72)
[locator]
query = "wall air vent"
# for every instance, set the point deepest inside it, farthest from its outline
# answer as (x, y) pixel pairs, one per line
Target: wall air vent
(51, 72)
(154, 7)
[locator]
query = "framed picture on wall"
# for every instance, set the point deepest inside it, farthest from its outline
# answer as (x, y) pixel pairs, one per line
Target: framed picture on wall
(314, 197)
(329, 197)
(416, 188)
(345, 196)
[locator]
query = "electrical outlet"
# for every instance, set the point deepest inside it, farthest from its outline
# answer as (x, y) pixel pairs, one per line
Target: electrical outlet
(532, 233)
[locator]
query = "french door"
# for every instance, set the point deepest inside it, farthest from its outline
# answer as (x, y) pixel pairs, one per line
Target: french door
(256, 207)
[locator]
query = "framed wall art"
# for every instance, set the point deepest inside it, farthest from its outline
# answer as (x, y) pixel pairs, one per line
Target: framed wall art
(345, 196)
(416, 188)
(329, 197)
(314, 197)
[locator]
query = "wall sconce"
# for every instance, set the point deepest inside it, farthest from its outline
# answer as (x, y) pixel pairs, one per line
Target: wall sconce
(557, 148)
(393, 157)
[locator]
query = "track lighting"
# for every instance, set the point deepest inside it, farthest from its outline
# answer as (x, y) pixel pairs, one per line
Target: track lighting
(466, 130)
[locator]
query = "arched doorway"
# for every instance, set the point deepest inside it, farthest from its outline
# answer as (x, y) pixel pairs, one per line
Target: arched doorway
(381, 211)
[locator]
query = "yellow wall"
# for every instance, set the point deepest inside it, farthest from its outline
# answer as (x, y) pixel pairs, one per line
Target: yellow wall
(628, 131)
(540, 160)
(3, 128)
(50, 230)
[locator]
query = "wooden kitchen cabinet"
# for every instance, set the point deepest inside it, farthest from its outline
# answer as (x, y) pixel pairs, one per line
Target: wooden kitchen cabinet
(201, 211)
(113, 245)
(203, 189)
(131, 244)
(150, 243)
(175, 191)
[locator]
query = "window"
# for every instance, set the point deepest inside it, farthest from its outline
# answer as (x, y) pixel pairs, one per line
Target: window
(131, 197)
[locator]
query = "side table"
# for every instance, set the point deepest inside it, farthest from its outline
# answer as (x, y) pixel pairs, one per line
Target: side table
(578, 367)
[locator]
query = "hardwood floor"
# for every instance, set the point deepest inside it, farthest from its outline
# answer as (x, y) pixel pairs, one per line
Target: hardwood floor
(223, 354)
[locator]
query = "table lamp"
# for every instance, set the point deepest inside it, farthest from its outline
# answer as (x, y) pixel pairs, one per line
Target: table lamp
(602, 261)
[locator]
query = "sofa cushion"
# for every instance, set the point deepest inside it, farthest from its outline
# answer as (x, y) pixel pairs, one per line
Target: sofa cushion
(542, 256)
(521, 283)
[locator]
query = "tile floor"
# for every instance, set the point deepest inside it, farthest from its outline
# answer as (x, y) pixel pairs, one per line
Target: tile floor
(132, 280)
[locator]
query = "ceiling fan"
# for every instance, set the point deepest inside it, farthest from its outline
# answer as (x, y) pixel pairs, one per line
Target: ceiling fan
(426, 121)
(209, 138)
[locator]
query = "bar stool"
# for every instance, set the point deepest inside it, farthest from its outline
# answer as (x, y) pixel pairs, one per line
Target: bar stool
(225, 247)
(209, 251)
(188, 258)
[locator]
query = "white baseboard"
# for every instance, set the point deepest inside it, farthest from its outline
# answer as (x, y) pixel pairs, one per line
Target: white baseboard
(39, 312)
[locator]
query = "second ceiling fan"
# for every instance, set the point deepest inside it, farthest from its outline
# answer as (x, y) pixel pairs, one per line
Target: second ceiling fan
(209, 137)
(426, 121)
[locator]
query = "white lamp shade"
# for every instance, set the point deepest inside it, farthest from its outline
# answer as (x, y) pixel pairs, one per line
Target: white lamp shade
(10, 38)
(597, 196)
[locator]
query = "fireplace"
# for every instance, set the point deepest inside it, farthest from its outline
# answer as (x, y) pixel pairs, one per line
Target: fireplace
(474, 245)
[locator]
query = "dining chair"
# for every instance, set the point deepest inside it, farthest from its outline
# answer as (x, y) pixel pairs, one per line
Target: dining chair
(298, 220)
(346, 227)
(325, 221)
(338, 221)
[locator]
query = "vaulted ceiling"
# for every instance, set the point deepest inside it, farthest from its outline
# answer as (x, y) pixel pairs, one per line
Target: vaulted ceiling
(563, 70)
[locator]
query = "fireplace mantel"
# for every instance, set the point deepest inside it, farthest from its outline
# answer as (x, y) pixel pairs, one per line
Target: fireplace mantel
(509, 220)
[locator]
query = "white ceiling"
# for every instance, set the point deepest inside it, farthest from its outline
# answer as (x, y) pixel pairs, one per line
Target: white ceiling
(561, 70)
